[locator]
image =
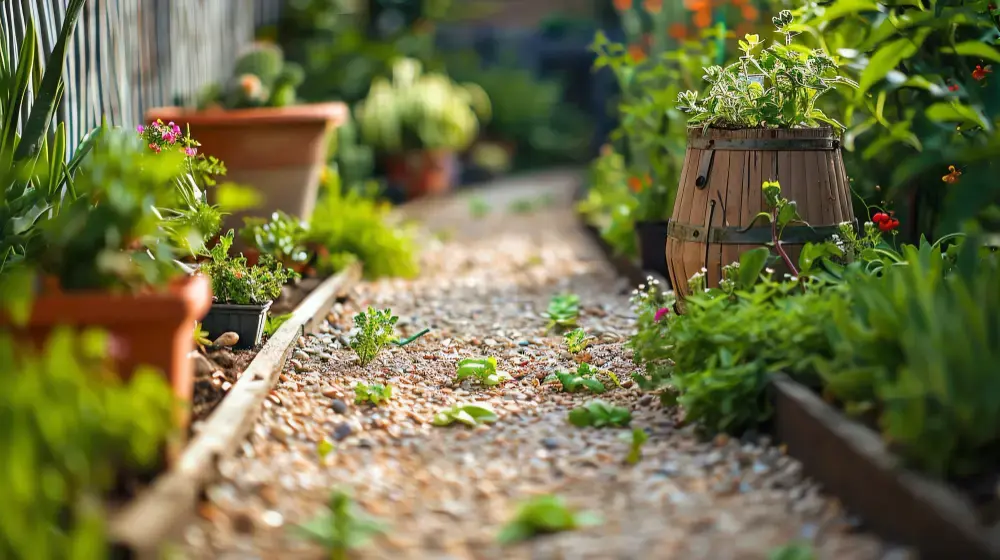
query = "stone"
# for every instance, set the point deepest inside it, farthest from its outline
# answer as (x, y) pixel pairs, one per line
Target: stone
(227, 339)
(342, 431)
(338, 406)
(300, 355)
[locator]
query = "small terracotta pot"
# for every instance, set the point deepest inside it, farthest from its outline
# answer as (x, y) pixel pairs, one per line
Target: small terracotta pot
(154, 329)
(422, 173)
(281, 151)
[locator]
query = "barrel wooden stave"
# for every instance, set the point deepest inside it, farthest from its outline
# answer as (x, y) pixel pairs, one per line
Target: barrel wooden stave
(814, 178)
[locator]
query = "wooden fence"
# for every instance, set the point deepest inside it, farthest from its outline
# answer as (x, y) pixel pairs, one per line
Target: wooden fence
(128, 55)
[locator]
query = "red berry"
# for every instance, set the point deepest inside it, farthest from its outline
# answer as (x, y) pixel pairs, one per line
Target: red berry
(880, 218)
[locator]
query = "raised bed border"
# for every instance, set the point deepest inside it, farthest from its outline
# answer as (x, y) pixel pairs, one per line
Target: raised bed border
(854, 464)
(152, 517)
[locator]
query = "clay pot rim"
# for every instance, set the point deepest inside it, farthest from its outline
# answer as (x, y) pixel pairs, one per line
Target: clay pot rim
(335, 113)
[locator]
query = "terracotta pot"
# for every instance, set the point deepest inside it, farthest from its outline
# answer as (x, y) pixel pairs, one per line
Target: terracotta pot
(421, 173)
(155, 328)
(281, 151)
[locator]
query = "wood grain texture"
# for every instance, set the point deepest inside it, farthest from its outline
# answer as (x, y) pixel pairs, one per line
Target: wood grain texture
(814, 178)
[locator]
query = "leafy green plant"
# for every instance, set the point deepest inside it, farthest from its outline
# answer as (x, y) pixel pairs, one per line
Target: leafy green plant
(610, 205)
(637, 439)
(599, 414)
(777, 88)
(563, 311)
(896, 356)
(793, 551)
(543, 515)
(374, 329)
(418, 111)
(577, 340)
(235, 282)
(583, 378)
(375, 393)
(201, 336)
(478, 206)
(470, 414)
(483, 370)
(351, 225)
(282, 237)
(70, 426)
(342, 528)
(274, 322)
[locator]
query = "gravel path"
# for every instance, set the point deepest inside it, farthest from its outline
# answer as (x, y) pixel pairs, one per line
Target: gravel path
(445, 492)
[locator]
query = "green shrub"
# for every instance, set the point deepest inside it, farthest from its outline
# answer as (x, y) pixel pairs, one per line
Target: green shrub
(235, 282)
(68, 426)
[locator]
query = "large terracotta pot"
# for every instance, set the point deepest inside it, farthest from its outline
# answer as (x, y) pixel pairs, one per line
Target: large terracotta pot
(422, 173)
(154, 328)
(281, 151)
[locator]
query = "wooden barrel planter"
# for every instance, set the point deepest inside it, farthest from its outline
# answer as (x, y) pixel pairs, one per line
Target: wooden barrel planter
(720, 193)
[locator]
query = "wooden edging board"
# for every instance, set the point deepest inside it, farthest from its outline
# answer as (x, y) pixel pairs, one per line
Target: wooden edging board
(852, 463)
(151, 518)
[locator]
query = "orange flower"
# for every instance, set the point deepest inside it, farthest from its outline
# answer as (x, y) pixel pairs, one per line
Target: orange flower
(697, 5)
(678, 31)
(634, 184)
(653, 6)
(952, 176)
(623, 5)
(636, 53)
(703, 18)
(980, 72)
(749, 12)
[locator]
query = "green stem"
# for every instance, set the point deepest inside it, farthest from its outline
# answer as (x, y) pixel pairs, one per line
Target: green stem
(406, 341)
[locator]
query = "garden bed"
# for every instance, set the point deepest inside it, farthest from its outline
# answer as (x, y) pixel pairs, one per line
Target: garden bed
(853, 463)
(142, 524)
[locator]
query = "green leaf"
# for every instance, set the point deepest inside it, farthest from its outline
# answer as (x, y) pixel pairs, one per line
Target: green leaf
(324, 448)
(231, 197)
(752, 263)
(976, 49)
(955, 111)
(888, 57)
(580, 417)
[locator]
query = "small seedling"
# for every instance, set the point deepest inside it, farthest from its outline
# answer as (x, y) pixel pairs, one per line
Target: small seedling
(274, 323)
(478, 207)
(201, 339)
(466, 413)
(577, 340)
(563, 311)
(343, 528)
(324, 448)
(543, 515)
(375, 393)
(375, 329)
(599, 414)
(483, 369)
(639, 437)
(793, 551)
(584, 377)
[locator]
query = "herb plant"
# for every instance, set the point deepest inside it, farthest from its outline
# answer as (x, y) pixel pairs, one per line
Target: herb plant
(374, 329)
(777, 88)
(344, 527)
(637, 439)
(573, 382)
(599, 414)
(482, 369)
(236, 283)
(543, 515)
(470, 414)
(563, 311)
(274, 322)
(375, 393)
(577, 340)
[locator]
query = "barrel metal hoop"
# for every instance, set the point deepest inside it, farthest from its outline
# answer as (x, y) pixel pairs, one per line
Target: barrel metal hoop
(752, 236)
(764, 144)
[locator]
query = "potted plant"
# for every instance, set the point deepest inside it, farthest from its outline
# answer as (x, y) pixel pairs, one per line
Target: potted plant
(418, 121)
(281, 237)
(267, 141)
(757, 122)
(243, 293)
(102, 258)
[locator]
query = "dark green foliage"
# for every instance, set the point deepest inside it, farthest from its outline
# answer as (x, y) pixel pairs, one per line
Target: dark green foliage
(599, 414)
(563, 311)
(282, 237)
(374, 330)
(235, 282)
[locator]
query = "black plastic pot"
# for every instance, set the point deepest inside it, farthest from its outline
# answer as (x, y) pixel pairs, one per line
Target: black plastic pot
(245, 320)
(653, 246)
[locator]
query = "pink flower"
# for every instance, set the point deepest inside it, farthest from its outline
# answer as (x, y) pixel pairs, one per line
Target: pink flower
(168, 137)
(661, 313)
(190, 152)
(140, 129)
(176, 129)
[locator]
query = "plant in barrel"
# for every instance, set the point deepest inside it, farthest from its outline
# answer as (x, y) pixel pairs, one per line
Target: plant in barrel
(756, 122)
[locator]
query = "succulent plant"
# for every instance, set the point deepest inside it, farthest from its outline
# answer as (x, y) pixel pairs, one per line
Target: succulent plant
(262, 78)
